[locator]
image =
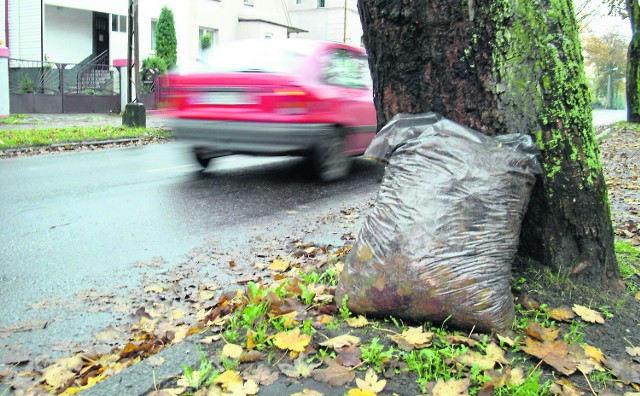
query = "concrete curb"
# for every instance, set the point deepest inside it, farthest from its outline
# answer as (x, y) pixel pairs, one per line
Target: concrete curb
(96, 143)
(604, 134)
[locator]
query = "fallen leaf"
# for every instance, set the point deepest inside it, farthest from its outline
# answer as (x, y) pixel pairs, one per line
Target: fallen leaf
(349, 356)
(588, 315)
(279, 266)
(251, 356)
(177, 314)
(452, 388)
(535, 330)
(494, 354)
(227, 378)
(554, 353)
(292, 340)
(209, 340)
(633, 351)
(261, 375)
(565, 388)
(358, 322)
(371, 383)
(412, 338)
(58, 377)
(335, 374)
(562, 314)
(638, 296)
(594, 353)
(307, 392)
(108, 334)
(73, 363)
(360, 392)
(232, 351)
(155, 288)
(458, 339)
(206, 295)
(507, 340)
(299, 369)
(628, 373)
(342, 341)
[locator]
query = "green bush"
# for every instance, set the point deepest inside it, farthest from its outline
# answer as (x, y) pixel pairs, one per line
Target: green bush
(166, 43)
(26, 85)
(154, 63)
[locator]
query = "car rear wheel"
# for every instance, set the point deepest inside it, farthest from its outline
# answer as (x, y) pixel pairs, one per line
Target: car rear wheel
(330, 161)
(202, 160)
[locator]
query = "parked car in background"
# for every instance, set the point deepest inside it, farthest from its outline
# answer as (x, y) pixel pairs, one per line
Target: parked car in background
(275, 97)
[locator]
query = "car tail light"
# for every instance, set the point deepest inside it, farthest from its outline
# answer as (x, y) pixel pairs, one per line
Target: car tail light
(290, 101)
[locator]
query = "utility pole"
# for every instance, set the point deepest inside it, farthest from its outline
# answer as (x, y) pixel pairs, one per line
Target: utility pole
(134, 113)
(344, 37)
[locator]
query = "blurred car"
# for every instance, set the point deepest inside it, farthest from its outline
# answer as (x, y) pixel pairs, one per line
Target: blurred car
(275, 97)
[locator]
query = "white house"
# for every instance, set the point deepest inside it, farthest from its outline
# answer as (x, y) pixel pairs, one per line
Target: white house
(75, 31)
(333, 20)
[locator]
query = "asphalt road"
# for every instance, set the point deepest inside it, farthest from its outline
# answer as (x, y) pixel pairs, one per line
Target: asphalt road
(74, 222)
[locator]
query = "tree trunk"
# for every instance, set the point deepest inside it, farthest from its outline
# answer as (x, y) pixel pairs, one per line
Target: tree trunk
(502, 66)
(633, 58)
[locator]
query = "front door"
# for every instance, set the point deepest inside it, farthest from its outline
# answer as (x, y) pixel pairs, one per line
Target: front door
(100, 34)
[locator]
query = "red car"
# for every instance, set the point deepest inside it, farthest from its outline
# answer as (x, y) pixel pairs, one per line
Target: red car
(276, 97)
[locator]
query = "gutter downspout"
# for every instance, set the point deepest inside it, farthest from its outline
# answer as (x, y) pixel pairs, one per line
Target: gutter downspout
(6, 23)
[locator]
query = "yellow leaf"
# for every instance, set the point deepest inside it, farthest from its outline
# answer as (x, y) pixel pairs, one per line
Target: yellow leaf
(58, 377)
(452, 388)
(73, 363)
(594, 353)
(507, 340)
(206, 295)
(562, 314)
(155, 288)
(516, 377)
(180, 334)
(588, 315)
(360, 392)
(279, 266)
(638, 296)
(148, 325)
(251, 342)
(412, 338)
(209, 340)
(232, 351)
(324, 319)
(341, 341)
(177, 314)
(371, 383)
(227, 378)
(633, 351)
(307, 392)
(360, 321)
(293, 340)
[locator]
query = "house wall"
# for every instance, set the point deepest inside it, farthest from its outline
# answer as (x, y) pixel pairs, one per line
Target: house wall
(67, 42)
(3, 27)
(24, 29)
(326, 23)
(105, 6)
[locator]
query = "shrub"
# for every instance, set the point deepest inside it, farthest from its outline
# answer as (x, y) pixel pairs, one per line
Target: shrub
(205, 41)
(166, 43)
(26, 85)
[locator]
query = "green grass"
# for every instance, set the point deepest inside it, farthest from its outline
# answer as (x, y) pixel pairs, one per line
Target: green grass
(44, 136)
(13, 119)
(629, 264)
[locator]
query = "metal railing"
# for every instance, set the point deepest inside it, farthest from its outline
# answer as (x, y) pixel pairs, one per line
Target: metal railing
(35, 77)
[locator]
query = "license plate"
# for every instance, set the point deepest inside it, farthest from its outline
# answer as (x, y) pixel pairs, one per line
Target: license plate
(223, 98)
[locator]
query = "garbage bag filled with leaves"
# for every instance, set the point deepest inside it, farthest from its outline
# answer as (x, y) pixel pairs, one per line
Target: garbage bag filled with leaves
(440, 240)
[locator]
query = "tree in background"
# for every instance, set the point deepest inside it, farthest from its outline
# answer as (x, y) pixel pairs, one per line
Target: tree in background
(166, 43)
(633, 58)
(502, 66)
(607, 56)
(205, 41)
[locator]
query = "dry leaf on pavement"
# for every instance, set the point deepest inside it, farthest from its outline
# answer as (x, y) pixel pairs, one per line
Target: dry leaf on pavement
(412, 338)
(279, 266)
(628, 373)
(588, 315)
(307, 392)
(342, 341)
(349, 356)
(358, 322)
(155, 288)
(227, 378)
(299, 368)
(360, 392)
(58, 377)
(562, 314)
(633, 351)
(292, 340)
(554, 353)
(261, 375)
(371, 383)
(335, 374)
(452, 388)
(232, 351)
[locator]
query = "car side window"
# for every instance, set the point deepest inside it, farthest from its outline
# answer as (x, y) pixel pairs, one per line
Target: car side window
(347, 69)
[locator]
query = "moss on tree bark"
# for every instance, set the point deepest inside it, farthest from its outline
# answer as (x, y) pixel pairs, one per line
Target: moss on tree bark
(633, 58)
(504, 66)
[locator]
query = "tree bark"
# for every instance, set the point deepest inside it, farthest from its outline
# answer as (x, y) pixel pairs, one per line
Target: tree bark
(502, 66)
(633, 58)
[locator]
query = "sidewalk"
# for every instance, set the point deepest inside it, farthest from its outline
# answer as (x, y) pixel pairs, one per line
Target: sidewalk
(37, 121)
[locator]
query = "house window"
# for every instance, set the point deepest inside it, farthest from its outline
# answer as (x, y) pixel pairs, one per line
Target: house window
(118, 23)
(320, 3)
(248, 2)
(154, 24)
(213, 33)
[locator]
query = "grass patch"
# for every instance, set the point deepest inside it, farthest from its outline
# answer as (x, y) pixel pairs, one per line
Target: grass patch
(625, 125)
(45, 136)
(13, 119)
(629, 264)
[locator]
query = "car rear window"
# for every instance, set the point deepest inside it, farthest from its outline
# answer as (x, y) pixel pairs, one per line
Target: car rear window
(264, 56)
